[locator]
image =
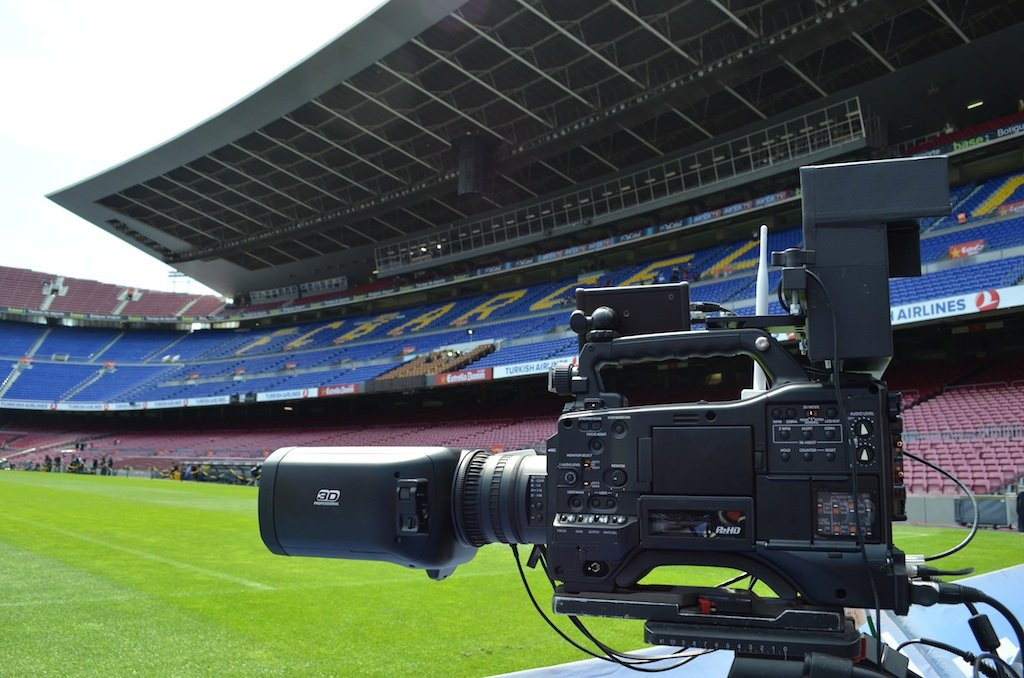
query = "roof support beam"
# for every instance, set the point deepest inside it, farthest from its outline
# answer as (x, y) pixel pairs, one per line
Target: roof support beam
(653, 31)
(744, 101)
(539, 71)
(283, 253)
(215, 202)
(189, 207)
(462, 215)
(234, 190)
(319, 164)
(340, 244)
(735, 19)
(598, 156)
(544, 163)
(418, 216)
(384, 223)
(803, 76)
(379, 138)
(441, 101)
(287, 173)
(394, 113)
(693, 123)
(263, 184)
(587, 48)
(949, 22)
(164, 215)
(257, 258)
(309, 247)
(518, 185)
(331, 142)
(641, 139)
(504, 97)
(872, 51)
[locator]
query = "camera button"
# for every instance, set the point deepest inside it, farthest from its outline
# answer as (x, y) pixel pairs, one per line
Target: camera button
(785, 456)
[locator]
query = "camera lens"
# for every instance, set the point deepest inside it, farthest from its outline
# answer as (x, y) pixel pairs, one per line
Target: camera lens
(490, 499)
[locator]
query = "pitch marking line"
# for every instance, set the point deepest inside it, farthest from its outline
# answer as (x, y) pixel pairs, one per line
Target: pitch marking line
(146, 555)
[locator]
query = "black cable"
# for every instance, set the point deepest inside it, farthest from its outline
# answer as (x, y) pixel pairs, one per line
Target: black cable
(781, 296)
(633, 658)
(566, 638)
(983, 597)
(1000, 662)
(635, 661)
(967, 491)
(966, 655)
(853, 463)
(738, 578)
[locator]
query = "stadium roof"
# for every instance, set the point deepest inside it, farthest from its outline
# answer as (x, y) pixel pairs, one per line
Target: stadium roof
(359, 144)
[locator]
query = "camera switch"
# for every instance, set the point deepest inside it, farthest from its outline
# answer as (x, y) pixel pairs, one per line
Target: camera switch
(615, 477)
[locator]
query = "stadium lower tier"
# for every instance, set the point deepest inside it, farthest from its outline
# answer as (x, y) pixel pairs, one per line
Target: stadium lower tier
(970, 426)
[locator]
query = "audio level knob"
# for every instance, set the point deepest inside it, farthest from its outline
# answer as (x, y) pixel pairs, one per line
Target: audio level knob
(862, 428)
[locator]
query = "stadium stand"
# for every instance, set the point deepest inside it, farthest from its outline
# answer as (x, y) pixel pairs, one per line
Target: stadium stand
(35, 291)
(963, 417)
(520, 325)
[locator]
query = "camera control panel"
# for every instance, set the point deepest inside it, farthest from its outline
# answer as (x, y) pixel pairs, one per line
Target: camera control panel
(814, 437)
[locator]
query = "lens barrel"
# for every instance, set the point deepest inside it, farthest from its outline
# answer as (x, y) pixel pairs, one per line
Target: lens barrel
(421, 507)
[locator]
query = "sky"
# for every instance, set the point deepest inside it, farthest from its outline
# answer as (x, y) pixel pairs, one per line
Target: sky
(88, 85)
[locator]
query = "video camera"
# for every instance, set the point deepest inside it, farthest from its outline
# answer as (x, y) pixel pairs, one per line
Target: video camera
(797, 485)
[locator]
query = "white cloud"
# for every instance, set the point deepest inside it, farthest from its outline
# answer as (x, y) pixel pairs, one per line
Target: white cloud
(90, 84)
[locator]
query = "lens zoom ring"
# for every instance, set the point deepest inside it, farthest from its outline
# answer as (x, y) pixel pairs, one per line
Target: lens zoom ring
(470, 497)
(494, 499)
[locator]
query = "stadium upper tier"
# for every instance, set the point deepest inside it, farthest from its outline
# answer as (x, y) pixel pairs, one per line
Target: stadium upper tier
(489, 336)
(57, 294)
(25, 290)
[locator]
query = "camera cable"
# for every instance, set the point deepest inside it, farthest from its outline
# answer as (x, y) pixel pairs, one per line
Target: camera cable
(877, 630)
(932, 592)
(966, 490)
(626, 660)
(967, 656)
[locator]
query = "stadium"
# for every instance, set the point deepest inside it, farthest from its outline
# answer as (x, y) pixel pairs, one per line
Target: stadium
(397, 226)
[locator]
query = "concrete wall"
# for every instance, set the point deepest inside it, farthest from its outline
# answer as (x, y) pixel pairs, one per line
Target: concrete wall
(931, 509)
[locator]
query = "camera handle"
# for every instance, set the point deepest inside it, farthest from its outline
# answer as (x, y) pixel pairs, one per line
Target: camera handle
(584, 381)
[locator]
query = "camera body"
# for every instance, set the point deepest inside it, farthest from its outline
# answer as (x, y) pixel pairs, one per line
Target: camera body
(797, 485)
(763, 485)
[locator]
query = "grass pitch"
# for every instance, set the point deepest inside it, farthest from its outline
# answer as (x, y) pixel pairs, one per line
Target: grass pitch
(114, 576)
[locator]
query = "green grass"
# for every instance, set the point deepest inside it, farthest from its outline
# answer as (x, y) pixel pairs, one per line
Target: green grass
(113, 576)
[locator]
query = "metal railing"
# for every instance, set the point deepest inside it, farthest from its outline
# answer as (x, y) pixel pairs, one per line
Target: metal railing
(799, 137)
